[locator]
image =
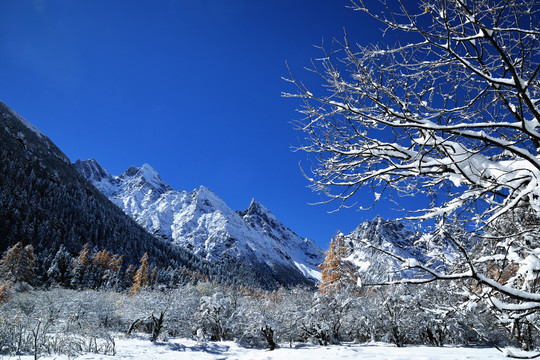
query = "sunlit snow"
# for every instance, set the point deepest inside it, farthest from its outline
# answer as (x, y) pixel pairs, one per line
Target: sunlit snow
(227, 350)
(201, 221)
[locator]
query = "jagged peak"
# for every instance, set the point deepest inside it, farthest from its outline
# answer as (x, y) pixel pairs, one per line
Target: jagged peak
(380, 230)
(204, 189)
(91, 169)
(146, 171)
(147, 168)
(90, 163)
(204, 193)
(258, 211)
(145, 174)
(149, 173)
(255, 205)
(377, 221)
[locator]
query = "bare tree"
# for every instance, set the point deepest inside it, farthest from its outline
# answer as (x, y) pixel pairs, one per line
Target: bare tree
(451, 110)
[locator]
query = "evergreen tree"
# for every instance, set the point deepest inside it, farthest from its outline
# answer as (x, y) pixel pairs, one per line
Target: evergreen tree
(60, 268)
(104, 268)
(337, 273)
(129, 276)
(17, 263)
(80, 267)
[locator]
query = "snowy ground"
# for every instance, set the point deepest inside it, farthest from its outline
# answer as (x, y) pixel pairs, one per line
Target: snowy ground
(135, 349)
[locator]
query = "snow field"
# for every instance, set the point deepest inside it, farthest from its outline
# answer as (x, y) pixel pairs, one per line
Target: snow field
(134, 349)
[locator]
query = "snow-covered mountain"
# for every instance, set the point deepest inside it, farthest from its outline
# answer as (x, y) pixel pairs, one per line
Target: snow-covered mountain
(45, 202)
(392, 236)
(253, 240)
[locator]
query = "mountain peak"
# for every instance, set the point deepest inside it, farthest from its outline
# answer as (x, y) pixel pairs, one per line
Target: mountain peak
(145, 175)
(149, 173)
(390, 235)
(148, 168)
(255, 206)
(205, 193)
(207, 200)
(92, 170)
(204, 189)
(90, 163)
(201, 221)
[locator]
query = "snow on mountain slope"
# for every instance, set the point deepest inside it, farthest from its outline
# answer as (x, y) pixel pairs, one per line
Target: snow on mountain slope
(375, 266)
(302, 252)
(23, 121)
(200, 221)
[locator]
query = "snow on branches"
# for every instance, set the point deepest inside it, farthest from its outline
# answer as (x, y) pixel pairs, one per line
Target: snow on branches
(458, 107)
(452, 109)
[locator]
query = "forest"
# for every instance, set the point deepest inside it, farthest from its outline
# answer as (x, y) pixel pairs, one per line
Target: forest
(87, 302)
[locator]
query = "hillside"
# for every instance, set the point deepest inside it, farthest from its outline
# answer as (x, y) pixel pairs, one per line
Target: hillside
(44, 201)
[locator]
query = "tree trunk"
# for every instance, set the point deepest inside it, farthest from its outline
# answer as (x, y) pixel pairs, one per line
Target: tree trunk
(268, 334)
(157, 325)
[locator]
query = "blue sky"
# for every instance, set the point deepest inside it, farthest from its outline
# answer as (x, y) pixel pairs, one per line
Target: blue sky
(191, 87)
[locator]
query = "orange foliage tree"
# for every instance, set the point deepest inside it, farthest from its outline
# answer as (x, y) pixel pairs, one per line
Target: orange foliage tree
(338, 274)
(142, 276)
(17, 263)
(105, 267)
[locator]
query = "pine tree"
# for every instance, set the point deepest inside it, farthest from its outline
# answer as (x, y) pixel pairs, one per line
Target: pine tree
(17, 263)
(60, 268)
(338, 274)
(104, 268)
(129, 276)
(142, 276)
(154, 275)
(80, 267)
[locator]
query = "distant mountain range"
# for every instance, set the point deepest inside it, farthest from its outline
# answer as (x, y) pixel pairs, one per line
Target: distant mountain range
(253, 239)
(47, 201)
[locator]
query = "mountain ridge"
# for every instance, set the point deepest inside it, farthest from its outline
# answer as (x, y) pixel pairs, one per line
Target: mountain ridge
(202, 222)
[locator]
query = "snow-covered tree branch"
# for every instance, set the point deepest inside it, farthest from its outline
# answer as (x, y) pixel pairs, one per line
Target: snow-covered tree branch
(452, 109)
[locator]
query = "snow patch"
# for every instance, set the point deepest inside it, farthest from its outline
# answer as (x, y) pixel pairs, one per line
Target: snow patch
(308, 272)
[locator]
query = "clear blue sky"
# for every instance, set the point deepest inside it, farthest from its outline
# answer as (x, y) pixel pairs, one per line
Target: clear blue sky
(191, 87)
